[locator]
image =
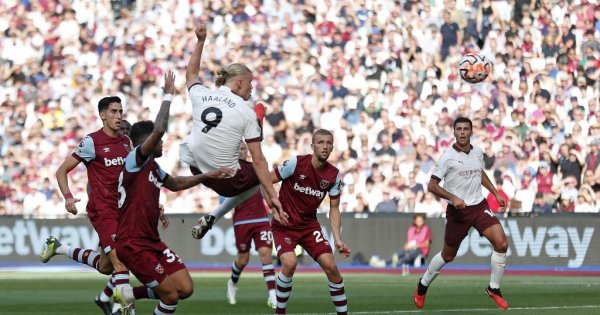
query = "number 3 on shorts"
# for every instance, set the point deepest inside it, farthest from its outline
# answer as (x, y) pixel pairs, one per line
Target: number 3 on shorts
(170, 256)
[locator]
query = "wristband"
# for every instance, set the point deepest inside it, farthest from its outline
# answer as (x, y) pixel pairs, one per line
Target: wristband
(168, 97)
(68, 195)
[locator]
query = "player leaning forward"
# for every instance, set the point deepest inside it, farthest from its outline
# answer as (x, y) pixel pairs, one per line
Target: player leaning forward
(461, 168)
(102, 152)
(306, 179)
(139, 245)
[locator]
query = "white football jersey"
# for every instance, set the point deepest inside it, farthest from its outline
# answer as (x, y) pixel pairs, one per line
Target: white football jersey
(461, 174)
(221, 120)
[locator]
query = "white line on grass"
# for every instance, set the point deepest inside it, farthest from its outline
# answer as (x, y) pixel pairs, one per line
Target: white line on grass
(468, 310)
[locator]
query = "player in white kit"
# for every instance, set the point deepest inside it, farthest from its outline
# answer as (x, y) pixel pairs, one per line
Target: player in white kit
(461, 168)
(221, 119)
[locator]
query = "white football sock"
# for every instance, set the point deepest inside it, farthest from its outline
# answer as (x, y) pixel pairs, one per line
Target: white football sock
(63, 249)
(232, 202)
(436, 264)
(498, 264)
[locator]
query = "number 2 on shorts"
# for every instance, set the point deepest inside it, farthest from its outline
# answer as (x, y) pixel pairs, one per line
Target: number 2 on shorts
(318, 236)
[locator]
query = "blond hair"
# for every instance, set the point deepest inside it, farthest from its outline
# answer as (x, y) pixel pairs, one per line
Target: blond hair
(231, 71)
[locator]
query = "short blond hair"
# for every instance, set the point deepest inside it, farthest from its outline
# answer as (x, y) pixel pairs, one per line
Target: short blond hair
(231, 71)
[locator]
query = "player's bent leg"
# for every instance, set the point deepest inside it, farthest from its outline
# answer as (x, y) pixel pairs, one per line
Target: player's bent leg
(495, 234)
(266, 258)
(54, 247)
(336, 283)
(227, 205)
(183, 283)
(168, 295)
(289, 262)
(105, 265)
(285, 280)
(327, 263)
(117, 264)
(120, 281)
(448, 253)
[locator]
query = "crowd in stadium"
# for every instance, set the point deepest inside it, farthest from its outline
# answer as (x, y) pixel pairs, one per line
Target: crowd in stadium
(381, 75)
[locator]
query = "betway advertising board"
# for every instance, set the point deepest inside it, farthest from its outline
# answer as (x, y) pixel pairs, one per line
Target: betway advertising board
(563, 241)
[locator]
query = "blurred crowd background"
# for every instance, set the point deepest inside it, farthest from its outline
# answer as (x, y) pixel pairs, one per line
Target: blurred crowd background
(381, 74)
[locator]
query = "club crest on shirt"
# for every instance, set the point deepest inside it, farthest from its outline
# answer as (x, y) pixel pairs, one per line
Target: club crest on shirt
(126, 146)
(159, 268)
(287, 240)
(323, 184)
(114, 237)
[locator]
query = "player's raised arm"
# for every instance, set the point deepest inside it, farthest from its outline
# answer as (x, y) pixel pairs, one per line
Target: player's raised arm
(191, 72)
(63, 183)
(162, 119)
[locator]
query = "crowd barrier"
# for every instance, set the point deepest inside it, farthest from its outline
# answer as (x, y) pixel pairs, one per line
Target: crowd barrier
(563, 241)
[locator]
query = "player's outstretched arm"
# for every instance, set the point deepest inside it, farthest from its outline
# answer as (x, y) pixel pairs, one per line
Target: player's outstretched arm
(336, 226)
(162, 119)
(191, 72)
(63, 183)
(184, 182)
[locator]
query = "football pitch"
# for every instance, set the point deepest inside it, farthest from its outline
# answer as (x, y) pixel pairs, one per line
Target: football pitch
(73, 293)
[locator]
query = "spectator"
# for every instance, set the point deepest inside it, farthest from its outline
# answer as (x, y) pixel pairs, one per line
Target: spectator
(546, 182)
(418, 239)
(540, 206)
(388, 203)
(491, 199)
(431, 206)
(449, 35)
(57, 60)
(585, 202)
(416, 188)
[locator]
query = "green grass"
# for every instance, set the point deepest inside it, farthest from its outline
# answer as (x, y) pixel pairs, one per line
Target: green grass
(72, 293)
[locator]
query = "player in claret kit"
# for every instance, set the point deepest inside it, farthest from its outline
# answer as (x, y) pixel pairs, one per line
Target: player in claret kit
(138, 242)
(461, 168)
(103, 152)
(251, 223)
(306, 179)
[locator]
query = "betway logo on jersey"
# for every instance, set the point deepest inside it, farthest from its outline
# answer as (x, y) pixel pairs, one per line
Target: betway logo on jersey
(309, 191)
(114, 162)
